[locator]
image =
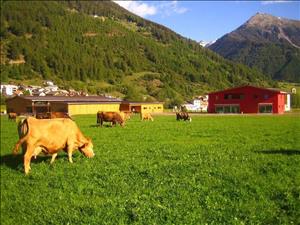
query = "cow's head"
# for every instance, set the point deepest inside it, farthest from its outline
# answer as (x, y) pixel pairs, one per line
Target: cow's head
(122, 123)
(87, 149)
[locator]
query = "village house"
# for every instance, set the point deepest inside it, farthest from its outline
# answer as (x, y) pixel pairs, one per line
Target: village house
(198, 104)
(8, 89)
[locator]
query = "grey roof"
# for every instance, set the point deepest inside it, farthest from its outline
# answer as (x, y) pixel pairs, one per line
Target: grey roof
(260, 88)
(71, 99)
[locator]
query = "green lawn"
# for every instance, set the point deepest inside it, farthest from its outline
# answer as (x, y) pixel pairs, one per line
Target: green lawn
(214, 170)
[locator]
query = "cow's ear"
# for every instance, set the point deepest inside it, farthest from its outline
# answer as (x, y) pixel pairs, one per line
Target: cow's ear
(84, 145)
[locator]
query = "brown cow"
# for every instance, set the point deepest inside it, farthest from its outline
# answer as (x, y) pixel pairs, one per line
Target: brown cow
(42, 116)
(113, 117)
(146, 116)
(51, 136)
(52, 115)
(59, 115)
(12, 116)
(183, 116)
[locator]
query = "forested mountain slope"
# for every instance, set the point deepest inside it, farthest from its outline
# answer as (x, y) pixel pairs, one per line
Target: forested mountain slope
(266, 42)
(102, 48)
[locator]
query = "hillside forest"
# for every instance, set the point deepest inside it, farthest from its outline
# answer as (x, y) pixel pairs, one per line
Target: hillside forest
(100, 47)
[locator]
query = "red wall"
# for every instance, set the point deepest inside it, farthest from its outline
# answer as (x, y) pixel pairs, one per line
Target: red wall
(252, 98)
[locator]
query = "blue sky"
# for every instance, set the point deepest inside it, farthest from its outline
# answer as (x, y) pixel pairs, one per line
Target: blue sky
(208, 20)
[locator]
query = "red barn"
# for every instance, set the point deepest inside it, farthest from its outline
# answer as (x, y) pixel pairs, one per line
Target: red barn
(247, 99)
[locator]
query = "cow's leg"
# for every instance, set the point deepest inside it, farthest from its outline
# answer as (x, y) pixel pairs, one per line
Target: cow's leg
(70, 151)
(53, 158)
(101, 122)
(27, 158)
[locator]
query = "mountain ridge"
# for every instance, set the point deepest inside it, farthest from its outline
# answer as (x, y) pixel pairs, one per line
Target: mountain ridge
(266, 42)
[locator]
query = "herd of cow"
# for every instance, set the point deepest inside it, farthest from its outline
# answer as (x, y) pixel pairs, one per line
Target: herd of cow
(52, 132)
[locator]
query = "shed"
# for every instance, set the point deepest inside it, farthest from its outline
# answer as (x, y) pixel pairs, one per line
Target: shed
(141, 107)
(248, 99)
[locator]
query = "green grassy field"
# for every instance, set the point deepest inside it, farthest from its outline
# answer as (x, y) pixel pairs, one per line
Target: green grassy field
(214, 170)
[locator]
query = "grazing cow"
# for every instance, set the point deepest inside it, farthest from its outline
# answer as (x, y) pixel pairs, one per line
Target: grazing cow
(113, 117)
(125, 115)
(59, 115)
(12, 116)
(52, 115)
(146, 116)
(51, 136)
(42, 116)
(183, 116)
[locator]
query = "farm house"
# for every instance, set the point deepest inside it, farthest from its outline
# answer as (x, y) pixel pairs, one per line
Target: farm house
(141, 107)
(249, 99)
(72, 105)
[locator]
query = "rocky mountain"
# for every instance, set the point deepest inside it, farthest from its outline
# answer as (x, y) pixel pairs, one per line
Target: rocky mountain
(99, 47)
(266, 42)
(206, 44)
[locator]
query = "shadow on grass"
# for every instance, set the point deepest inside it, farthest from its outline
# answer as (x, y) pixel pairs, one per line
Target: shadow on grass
(97, 125)
(15, 162)
(281, 152)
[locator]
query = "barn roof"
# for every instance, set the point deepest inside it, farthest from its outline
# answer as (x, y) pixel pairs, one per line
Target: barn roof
(140, 103)
(69, 99)
(247, 86)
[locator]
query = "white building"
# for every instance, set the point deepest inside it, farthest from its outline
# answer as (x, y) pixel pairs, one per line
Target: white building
(287, 105)
(8, 89)
(199, 104)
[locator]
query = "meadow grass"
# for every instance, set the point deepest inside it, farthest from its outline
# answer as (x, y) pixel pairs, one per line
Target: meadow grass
(214, 170)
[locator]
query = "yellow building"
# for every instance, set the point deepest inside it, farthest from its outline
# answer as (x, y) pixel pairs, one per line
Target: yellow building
(142, 107)
(77, 105)
(72, 105)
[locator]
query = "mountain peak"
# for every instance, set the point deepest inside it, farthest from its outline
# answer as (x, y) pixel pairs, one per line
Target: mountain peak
(265, 38)
(263, 19)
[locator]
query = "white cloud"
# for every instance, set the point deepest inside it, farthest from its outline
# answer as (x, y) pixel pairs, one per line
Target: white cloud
(139, 8)
(168, 8)
(148, 9)
(274, 2)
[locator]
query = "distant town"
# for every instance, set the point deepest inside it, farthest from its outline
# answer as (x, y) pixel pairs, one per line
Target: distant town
(48, 89)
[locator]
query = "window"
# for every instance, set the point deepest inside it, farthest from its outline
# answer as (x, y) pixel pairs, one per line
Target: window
(145, 108)
(234, 96)
(227, 109)
(266, 96)
(29, 109)
(266, 108)
(227, 96)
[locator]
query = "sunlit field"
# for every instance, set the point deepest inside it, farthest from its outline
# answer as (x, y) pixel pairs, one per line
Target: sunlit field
(214, 170)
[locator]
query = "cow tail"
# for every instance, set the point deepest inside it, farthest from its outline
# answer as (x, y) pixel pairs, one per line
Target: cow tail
(23, 139)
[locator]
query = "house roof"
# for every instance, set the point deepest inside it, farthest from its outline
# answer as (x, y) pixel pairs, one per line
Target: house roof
(140, 103)
(69, 99)
(249, 86)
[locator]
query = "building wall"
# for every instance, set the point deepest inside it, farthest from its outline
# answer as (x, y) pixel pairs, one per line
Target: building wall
(252, 98)
(281, 103)
(59, 107)
(18, 105)
(152, 108)
(92, 108)
(288, 103)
